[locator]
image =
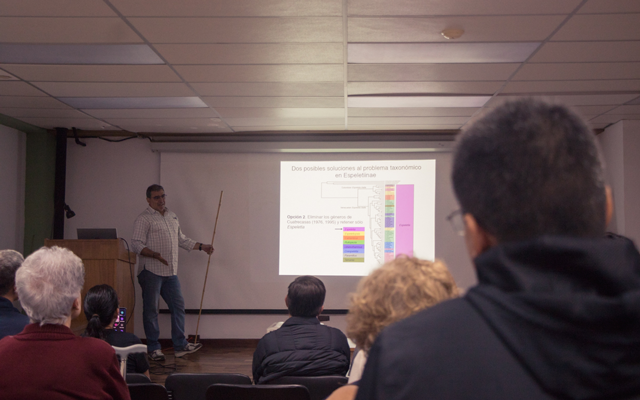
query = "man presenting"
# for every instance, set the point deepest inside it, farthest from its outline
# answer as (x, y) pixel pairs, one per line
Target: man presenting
(556, 311)
(156, 237)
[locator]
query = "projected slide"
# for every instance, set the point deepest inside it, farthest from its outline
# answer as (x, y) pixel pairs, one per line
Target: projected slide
(348, 217)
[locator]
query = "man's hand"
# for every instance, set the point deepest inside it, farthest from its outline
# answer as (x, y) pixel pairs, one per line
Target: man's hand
(207, 248)
(159, 258)
(147, 252)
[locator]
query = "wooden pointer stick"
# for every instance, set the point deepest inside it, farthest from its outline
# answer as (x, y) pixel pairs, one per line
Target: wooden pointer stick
(207, 273)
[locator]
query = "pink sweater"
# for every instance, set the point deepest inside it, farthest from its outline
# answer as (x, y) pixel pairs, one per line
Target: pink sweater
(50, 362)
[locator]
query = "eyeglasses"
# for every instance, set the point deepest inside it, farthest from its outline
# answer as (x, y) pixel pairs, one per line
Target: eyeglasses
(156, 198)
(457, 222)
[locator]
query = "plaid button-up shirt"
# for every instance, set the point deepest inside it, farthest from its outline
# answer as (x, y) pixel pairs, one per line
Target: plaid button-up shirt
(162, 234)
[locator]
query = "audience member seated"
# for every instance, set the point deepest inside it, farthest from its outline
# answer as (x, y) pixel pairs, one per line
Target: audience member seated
(302, 346)
(46, 360)
(101, 310)
(394, 291)
(555, 312)
(11, 320)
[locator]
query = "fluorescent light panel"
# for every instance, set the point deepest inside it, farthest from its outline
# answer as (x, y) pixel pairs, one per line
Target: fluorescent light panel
(416, 101)
(136, 54)
(439, 53)
(133, 102)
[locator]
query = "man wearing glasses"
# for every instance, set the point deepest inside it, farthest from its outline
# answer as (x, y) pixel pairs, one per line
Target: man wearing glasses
(156, 237)
(556, 311)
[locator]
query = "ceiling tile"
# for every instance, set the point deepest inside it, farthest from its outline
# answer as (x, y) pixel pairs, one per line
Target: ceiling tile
(133, 102)
(262, 73)
(430, 72)
(276, 53)
(578, 71)
(608, 6)
(18, 89)
(244, 112)
(593, 110)
(240, 122)
(284, 102)
(600, 27)
(55, 8)
(416, 101)
(477, 29)
(573, 100)
(240, 30)
(394, 128)
(66, 30)
(573, 86)
(42, 113)
(153, 113)
(588, 52)
(459, 7)
(311, 129)
(275, 89)
(626, 110)
(229, 8)
(79, 123)
(413, 112)
(93, 73)
(166, 122)
(442, 53)
(31, 102)
(407, 120)
(88, 89)
(636, 100)
(487, 88)
(78, 54)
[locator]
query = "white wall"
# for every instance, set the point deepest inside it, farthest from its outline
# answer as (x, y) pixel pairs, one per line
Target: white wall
(620, 147)
(12, 184)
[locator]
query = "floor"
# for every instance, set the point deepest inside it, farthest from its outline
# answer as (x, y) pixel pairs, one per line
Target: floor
(210, 358)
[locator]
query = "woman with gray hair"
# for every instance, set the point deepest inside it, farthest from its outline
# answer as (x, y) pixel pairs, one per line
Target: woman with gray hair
(47, 359)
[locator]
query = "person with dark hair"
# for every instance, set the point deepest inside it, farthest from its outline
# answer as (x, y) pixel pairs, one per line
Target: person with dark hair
(101, 310)
(156, 238)
(302, 346)
(555, 312)
(11, 320)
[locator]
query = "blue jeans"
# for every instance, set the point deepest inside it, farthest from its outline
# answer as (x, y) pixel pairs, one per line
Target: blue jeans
(168, 287)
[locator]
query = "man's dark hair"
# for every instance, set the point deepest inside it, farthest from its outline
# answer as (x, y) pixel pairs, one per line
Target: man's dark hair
(153, 188)
(306, 296)
(531, 168)
(10, 261)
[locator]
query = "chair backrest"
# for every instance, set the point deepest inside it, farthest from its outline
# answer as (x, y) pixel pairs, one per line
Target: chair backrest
(194, 386)
(257, 392)
(147, 391)
(320, 387)
(137, 378)
(124, 352)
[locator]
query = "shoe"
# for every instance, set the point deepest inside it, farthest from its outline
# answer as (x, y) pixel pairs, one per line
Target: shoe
(157, 355)
(188, 349)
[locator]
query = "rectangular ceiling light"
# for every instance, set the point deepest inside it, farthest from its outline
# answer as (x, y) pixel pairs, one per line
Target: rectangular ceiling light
(133, 102)
(439, 53)
(134, 54)
(416, 101)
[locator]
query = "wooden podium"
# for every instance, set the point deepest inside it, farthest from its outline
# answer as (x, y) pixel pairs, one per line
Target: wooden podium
(105, 261)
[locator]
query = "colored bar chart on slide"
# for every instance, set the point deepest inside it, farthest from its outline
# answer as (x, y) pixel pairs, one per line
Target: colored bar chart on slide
(353, 244)
(350, 217)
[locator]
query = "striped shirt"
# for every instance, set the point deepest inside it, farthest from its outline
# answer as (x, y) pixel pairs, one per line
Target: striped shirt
(161, 234)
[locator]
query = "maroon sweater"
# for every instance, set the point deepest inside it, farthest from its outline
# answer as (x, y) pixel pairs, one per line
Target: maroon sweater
(50, 362)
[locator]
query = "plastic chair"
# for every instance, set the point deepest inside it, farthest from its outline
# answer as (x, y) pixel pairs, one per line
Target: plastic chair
(320, 387)
(257, 392)
(148, 391)
(194, 386)
(137, 378)
(124, 352)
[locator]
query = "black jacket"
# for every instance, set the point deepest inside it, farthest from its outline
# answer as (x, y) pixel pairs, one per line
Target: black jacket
(552, 318)
(301, 347)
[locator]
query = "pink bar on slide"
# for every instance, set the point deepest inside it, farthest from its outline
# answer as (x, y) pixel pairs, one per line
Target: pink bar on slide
(404, 220)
